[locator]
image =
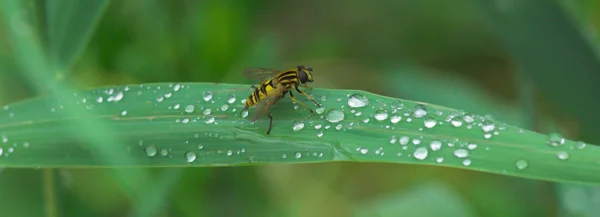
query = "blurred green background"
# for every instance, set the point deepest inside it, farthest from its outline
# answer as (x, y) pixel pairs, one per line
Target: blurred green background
(452, 53)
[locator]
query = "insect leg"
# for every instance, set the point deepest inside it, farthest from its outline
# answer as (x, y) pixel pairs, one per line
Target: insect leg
(270, 121)
(307, 96)
(295, 100)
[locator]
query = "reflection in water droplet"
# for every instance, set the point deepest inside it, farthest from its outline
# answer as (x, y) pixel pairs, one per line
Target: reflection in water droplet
(563, 155)
(334, 116)
(435, 145)
(160, 98)
(488, 126)
(397, 105)
(229, 152)
(297, 125)
(461, 153)
(471, 146)
(366, 120)
(207, 95)
(185, 120)
(416, 141)
(189, 108)
(209, 119)
(429, 123)
(318, 126)
(323, 98)
(380, 115)
(393, 140)
(555, 139)
(456, 122)
(190, 156)
(206, 111)
(224, 107)
(338, 127)
(404, 140)
(396, 119)
(363, 150)
(466, 162)
(357, 101)
(521, 164)
(469, 119)
(164, 152)
(420, 153)
(151, 150)
(231, 99)
(298, 155)
(439, 159)
(580, 145)
(320, 134)
(244, 113)
(420, 111)
(124, 112)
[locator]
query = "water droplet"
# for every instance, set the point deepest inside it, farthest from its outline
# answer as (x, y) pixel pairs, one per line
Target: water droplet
(209, 119)
(117, 97)
(297, 125)
(151, 150)
(323, 98)
(124, 112)
(466, 162)
(429, 123)
(207, 95)
(99, 99)
(229, 152)
(164, 152)
(471, 146)
(420, 153)
(318, 126)
(357, 101)
(366, 120)
(393, 140)
(396, 105)
(190, 108)
(488, 126)
(404, 140)
(224, 107)
(26, 144)
(298, 155)
(185, 120)
(380, 115)
(320, 134)
(396, 119)
(160, 98)
(435, 145)
(320, 110)
(200, 146)
(190, 156)
(168, 95)
(334, 116)
(244, 113)
(231, 99)
(521, 164)
(461, 153)
(469, 119)
(176, 87)
(420, 111)
(580, 145)
(206, 111)
(364, 150)
(563, 155)
(555, 139)
(338, 127)
(456, 122)
(176, 106)
(439, 159)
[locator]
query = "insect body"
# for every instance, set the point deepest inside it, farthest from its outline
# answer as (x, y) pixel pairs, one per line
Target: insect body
(274, 86)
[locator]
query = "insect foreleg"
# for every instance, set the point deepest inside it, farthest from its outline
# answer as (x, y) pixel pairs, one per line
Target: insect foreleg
(307, 96)
(301, 103)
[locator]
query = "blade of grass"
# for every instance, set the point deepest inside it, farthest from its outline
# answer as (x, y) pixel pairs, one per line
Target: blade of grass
(173, 125)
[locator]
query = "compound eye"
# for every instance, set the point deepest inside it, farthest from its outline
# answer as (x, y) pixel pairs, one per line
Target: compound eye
(302, 76)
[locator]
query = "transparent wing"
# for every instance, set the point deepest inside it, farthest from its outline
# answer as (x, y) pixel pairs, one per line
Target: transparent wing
(259, 74)
(266, 103)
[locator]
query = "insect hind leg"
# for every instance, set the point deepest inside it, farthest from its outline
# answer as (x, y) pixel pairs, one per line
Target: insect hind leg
(270, 122)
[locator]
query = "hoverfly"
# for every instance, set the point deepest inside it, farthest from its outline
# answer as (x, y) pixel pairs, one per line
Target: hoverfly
(274, 86)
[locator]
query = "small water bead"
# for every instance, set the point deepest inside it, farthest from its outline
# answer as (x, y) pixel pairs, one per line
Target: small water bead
(471, 146)
(363, 150)
(334, 116)
(320, 134)
(420, 153)
(395, 119)
(380, 115)
(231, 99)
(488, 126)
(393, 140)
(207, 95)
(521, 164)
(562, 155)
(439, 159)
(416, 141)
(244, 113)
(190, 156)
(469, 119)
(206, 111)
(1, 151)
(420, 111)
(323, 98)
(580, 145)
(229, 152)
(555, 139)
(318, 126)
(487, 135)
(209, 119)
(224, 107)
(435, 145)
(298, 155)
(189, 108)
(357, 114)
(429, 123)
(466, 162)
(185, 120)
(320, 110)
(26, 144)
(168, 95)
(338, 127)
(297, 125)
(176, 106)
(327, 126)
(456, 122)
(176, 87)
(357, 101)
(160, 98)
(164, 152)
(124, 112)
(284, 156)
(404, 140)
(461, 153)
(296, 107)
(151, 150)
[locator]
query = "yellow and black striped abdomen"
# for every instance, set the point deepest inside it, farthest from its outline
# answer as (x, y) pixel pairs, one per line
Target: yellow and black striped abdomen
(263, 90)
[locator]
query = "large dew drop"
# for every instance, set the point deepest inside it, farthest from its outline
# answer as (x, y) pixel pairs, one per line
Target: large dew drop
(207, 95)
(420, 153)
(190, 156)
(429, 123)
(435, 145)
(297, 125)
(231, 99)
(357, 101)
(380, 115)
(555, 139)
(334, 116)
(420, 111)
